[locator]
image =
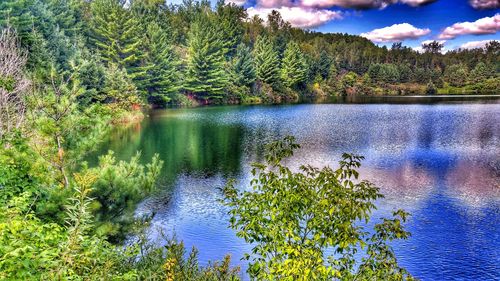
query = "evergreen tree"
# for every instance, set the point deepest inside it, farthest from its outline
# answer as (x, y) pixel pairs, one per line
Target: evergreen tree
(39, 32)
(120, 90)
(230, 23)
(480, 73)
(294, 68)
(243, 71)
(162, 78)
(90, 74)
(266, 60)
(115, 35)
(456, 75)
(323, 65)
(206, 75)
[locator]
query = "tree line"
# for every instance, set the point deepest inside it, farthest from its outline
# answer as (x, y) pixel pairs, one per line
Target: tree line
(130, 52)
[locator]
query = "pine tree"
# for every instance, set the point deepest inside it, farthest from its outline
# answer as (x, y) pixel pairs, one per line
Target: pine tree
(230, 19)
(266, 60)
(115, 35)
(294, 68)
(120, 89)
(324, 64)
(17, 14)
(206, 75)
(162, 78)
(456, 75)
(243, 71)
(480, 73)
(39, 30)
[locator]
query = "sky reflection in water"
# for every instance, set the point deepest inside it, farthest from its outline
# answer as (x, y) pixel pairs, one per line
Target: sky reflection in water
(438, 161)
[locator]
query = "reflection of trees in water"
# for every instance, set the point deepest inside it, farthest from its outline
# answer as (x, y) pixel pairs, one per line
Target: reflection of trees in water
(185, 145)
(404, 147)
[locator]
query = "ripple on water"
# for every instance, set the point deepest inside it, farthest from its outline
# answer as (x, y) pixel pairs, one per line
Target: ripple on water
(440, 162)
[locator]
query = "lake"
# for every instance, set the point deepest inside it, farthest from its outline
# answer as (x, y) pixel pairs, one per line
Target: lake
(438, 158)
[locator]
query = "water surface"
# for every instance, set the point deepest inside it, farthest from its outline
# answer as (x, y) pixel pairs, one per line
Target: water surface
(439, 159)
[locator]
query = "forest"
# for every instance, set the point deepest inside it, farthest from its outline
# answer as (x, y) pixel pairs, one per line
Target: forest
(150, 52)
(71, 69)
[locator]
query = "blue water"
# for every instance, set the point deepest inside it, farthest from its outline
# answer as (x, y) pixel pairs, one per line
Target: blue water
(439, 161)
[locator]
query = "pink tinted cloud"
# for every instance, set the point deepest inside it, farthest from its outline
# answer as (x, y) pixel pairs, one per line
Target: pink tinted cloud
(485, 4)
(355, 4)
(395, 33)
(475, 44)
(274, 3)
(362, 4)
(488, 25)
(301, 17)
(416, 3)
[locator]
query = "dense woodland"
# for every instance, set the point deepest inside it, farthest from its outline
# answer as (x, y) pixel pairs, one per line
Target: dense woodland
(70, 69)
(190, 53)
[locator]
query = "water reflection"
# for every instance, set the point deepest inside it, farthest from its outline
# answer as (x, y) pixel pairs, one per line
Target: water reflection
(438, 161)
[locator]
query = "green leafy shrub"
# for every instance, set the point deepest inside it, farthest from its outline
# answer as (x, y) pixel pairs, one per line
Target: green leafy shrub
(292, 218)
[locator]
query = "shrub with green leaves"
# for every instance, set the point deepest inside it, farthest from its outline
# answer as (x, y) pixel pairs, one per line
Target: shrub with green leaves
(310, 224)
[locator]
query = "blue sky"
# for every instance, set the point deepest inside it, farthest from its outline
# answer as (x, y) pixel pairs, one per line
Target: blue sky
(423, 19)
(435, 16)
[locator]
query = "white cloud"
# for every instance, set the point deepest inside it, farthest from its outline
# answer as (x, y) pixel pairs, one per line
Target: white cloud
(485, 4)
(416, 3)
(355, 4)
(361, 4)
(237, 2)
(395, 33)
(298, 16)
(418, 49)
(488, 25)
(475, 44)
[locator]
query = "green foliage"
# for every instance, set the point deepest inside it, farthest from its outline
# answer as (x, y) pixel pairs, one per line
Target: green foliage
(114, 32)
(324, 64)
(162, 77)
(384, 73)
(29, 248)
(121, 92)
(206, 75)
(266, 61)
(230, 19)
(347, 82)
(293, 66)
(243, 71)
(480, 73)
(292, 218)
(456, 75)
(18, 167)
(118, 187)
(431, 88)
(66, 132)
(90, 74)
(177, 267)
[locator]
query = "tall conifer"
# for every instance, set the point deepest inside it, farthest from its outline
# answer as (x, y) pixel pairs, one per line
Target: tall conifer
(243, 71)
(294, 68)
(162, 76)
(206, 75)
(266, 60)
